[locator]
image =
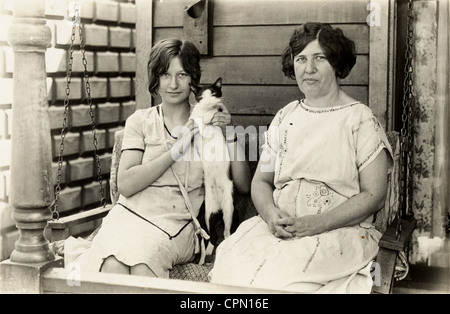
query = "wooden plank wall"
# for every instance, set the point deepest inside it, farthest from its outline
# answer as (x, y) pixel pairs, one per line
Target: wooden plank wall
(248, 39)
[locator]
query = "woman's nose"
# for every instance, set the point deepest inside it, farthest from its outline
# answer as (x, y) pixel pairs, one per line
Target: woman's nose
(310, 67)
(174, 82)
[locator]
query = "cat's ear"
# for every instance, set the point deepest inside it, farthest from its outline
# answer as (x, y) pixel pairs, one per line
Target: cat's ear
(218, 82)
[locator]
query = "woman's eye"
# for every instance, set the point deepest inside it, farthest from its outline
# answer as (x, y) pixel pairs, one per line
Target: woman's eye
(183, 75)
(165, 75)
(321, 58)
(300, 59)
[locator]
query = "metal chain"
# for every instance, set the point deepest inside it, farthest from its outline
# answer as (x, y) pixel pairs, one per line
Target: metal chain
(92, 116)
(55, 204)
(407, 132)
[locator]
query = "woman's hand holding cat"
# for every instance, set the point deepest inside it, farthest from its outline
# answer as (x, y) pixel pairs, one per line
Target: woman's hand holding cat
(222, 118)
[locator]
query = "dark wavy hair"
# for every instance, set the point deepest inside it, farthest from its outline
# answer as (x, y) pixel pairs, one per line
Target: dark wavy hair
(338, 49)
(163, 52)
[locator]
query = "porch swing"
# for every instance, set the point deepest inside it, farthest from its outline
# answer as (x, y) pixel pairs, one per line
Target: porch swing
(395, 221)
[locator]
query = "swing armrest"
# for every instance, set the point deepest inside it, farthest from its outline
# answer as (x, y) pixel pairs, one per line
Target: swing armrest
(389, 239)
(60, 228)
(390, 245)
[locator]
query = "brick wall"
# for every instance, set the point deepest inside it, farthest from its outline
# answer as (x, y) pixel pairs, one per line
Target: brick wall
(109, 38)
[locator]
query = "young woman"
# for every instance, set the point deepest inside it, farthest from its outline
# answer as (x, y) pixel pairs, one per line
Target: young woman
(150, 229)
(321, 178)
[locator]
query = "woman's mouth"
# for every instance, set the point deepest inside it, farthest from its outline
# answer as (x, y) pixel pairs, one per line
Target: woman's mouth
(310, 80)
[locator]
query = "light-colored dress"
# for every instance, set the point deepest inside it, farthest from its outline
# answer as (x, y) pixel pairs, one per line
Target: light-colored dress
(166, 236)
(316, 155)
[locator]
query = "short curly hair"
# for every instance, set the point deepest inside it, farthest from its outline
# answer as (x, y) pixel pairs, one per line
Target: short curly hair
(163, 52)
(339, 49)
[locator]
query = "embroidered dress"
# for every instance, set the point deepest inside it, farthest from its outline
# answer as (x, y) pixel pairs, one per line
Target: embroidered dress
(316, 155)
(153, 226)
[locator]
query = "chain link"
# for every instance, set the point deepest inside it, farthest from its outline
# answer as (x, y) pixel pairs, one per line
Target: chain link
(92, 116)
(407, 131)
(55, 204)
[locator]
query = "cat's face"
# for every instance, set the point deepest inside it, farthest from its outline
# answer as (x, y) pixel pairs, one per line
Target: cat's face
(209, 101)
(214, 90)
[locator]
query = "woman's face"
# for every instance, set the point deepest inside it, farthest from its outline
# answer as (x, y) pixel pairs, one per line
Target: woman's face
(314, 74)
(175, 84)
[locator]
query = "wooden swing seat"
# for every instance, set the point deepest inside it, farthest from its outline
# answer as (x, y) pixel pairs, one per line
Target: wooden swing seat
(389, 246)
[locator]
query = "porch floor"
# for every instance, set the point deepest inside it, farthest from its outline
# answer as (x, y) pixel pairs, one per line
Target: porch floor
(424, 280)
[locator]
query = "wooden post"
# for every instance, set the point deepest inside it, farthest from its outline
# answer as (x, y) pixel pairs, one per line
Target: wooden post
(380, 61)
(197, 19)
(144, 42)
(31, 190)
(442, 136)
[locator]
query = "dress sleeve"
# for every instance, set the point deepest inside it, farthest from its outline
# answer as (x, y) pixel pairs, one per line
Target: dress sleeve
(133, 137)
(271, 136)
(270, 146)
(370, 139)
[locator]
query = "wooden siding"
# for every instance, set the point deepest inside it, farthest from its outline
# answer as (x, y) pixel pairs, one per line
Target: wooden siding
(248, 39)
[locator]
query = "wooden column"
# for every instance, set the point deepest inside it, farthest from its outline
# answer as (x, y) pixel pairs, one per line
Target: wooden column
(31, 176)
(31, 190)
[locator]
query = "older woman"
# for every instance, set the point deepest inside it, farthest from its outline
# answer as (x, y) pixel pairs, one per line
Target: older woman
(321, 178)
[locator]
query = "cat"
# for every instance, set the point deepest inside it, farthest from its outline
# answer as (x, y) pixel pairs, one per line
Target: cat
(216, 164)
